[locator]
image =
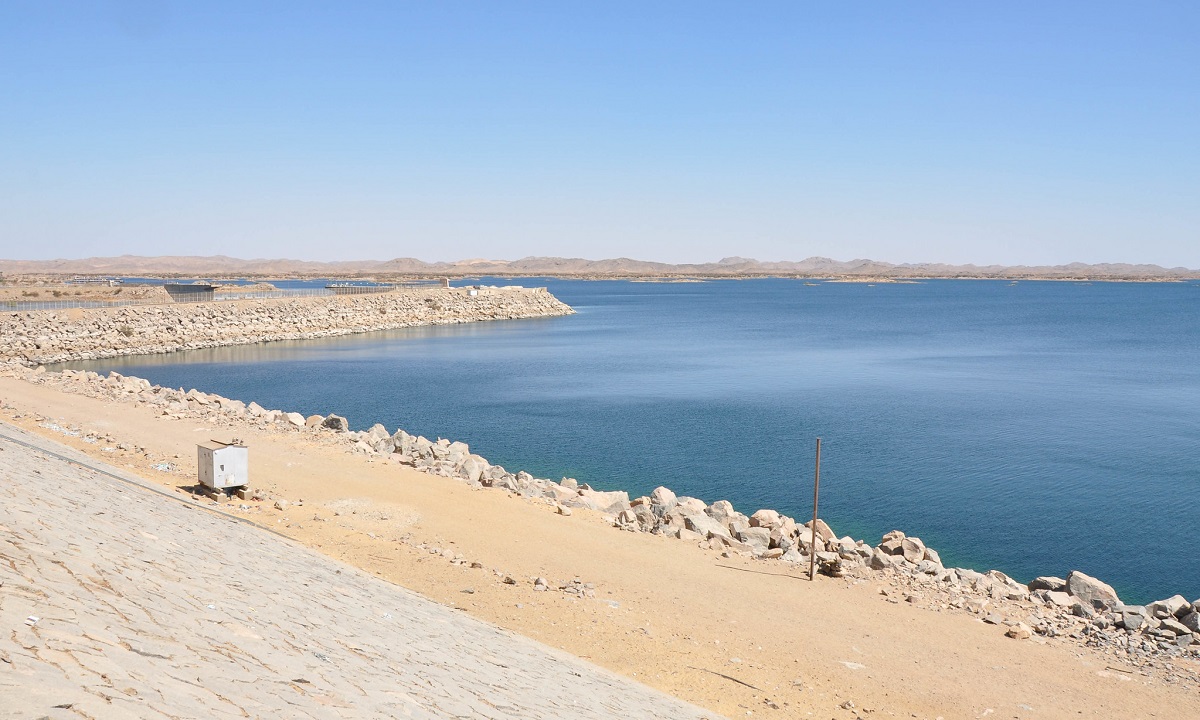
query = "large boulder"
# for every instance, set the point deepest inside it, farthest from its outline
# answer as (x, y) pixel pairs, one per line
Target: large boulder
(1191, 621)
(1132, 621)
(474, 467)
(609, 502)
(1171, 607)
(457, 452)
(912, 549)
(705, 525)
(1004, 586)
(893, 543)
(880, 559)
(846, 547)
(1091, 591)
(824, 532)
(404, 443)
(780, 539)
(929, 567)
(1048, 582)
(758, 538)
(787, 526)
(722, 511)
(768, 519)
(645, 517)
(674, 518)
(793, 556)
(337, 423)
(717, 542)
(557, 493)
(1057, 598)
(663, 497)
(295, 419)
(1177, 628)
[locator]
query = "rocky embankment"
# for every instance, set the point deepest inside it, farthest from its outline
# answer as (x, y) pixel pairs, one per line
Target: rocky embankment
(39, 337)
(1077, 608)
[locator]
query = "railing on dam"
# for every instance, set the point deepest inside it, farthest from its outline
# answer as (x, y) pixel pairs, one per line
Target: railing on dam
(15, 305)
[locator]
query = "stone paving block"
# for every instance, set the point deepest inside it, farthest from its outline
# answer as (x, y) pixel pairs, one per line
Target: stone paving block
(153, 608)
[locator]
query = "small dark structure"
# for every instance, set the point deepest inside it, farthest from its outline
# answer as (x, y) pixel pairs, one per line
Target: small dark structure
(199, 292)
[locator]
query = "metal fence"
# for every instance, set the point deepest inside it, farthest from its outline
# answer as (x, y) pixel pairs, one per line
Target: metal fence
(270, 294)
(15, 305)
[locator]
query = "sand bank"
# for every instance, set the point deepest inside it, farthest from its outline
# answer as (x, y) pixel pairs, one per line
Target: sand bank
(732, 634)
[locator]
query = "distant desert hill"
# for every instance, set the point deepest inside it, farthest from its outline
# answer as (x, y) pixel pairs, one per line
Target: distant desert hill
(224, 266)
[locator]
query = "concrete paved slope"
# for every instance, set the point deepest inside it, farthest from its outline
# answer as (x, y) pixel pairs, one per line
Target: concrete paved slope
(118, 602)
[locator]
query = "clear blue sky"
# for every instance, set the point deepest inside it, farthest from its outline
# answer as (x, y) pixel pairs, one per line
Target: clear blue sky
(1010, 132)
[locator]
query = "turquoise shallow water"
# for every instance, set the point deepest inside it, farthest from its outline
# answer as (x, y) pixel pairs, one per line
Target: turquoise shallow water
(1036, 428)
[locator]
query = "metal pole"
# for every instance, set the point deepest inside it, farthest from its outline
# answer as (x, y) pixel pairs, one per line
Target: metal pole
(812, 562)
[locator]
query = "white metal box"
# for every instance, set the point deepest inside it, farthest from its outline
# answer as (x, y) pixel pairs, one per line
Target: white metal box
(222, 465)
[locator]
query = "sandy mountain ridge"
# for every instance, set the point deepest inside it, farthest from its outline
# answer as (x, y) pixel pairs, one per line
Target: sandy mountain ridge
(221, 265)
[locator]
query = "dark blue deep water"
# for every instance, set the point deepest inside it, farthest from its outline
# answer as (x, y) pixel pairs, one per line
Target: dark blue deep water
(1035, 428)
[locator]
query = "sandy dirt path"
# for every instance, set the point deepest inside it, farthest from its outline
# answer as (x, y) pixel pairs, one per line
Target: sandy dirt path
(737, 636)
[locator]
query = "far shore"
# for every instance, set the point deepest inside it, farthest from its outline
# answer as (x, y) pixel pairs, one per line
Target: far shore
(12, 286)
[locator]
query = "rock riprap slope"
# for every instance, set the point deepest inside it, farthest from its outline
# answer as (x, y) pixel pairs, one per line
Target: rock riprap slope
(48, 336)
(118, 602)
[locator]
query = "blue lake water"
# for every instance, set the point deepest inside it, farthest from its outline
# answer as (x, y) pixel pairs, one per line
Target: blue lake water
(1036, 427)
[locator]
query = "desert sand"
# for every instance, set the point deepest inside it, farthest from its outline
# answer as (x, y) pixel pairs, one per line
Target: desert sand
(737, 636)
